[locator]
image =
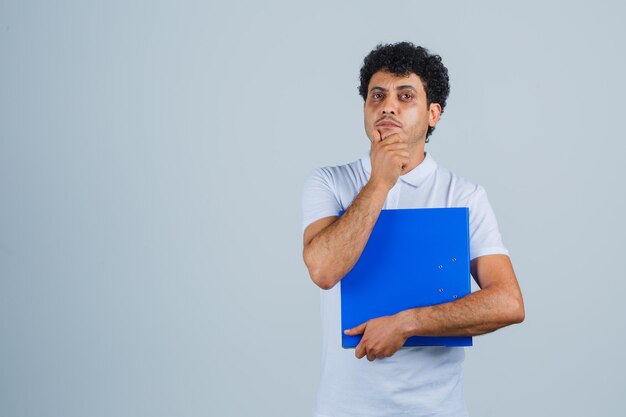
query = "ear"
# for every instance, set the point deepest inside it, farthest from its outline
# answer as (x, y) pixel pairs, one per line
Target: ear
(434, 112)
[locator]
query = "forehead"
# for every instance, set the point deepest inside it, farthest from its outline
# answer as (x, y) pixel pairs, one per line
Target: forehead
(391, 81)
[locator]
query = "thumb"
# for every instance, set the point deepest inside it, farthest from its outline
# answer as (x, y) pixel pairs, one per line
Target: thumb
(356, 330)
(376, 137)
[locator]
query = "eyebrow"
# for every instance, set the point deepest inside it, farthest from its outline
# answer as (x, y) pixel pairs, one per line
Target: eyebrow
(400, 87)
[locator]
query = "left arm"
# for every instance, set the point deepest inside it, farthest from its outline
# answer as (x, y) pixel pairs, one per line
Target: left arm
(497, 304)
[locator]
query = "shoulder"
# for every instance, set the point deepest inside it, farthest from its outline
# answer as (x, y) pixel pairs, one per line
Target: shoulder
(462, 190)
(337, 175)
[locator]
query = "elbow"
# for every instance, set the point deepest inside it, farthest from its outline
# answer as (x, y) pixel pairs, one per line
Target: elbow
(517, 313)
(321, 282)
(510, 306)
(321, 279)
(316, 272)
(521, 315)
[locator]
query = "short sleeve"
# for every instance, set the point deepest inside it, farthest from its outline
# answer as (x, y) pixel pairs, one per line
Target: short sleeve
(485, 238)
(319, 199)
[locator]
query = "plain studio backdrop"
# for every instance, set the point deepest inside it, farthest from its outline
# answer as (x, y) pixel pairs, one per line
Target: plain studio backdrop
(152, 158)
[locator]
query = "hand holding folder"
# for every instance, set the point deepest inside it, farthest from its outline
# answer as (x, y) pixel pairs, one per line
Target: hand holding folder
(413, 258)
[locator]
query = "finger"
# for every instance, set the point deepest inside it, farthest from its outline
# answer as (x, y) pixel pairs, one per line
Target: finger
(394, 137)
(397, 146)
(359, 352)
(356, 330)
(371, 356)
(376, 136)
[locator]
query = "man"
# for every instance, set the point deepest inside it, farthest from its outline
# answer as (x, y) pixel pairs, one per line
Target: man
(405, 90)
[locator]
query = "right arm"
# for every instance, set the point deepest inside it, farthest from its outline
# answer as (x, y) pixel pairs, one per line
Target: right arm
(333, 245)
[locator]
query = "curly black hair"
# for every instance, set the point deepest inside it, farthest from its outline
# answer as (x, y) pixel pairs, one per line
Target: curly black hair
(403, 58)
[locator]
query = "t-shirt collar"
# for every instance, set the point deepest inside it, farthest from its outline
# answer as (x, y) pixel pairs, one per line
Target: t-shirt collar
(415, 177)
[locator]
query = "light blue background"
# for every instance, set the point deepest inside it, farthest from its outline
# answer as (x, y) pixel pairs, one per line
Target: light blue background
(152, 157)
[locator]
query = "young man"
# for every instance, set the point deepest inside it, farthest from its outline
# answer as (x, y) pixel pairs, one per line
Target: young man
(405, 90)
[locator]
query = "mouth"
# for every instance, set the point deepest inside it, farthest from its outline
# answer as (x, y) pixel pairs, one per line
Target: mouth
(387, 123)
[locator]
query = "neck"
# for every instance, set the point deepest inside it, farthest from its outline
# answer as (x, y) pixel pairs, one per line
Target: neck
(416, 156)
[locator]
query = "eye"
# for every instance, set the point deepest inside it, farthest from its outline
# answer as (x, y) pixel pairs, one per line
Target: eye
(377, 96)
(406, 96)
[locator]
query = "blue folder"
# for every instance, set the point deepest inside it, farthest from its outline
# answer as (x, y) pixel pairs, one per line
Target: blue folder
(413, 258)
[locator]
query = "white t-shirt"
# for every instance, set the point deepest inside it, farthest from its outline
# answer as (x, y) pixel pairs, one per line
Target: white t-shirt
(415, 381)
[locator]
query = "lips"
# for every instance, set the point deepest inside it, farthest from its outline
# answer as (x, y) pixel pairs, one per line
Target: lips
(387, 123)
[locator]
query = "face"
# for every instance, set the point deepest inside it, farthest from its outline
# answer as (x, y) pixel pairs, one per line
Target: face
(397, 104)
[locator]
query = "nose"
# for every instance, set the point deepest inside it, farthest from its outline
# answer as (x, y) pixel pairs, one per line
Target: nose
(389, 106)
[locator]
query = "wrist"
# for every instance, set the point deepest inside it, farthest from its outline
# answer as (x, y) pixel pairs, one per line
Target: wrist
(378, 188)
(407, 322)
